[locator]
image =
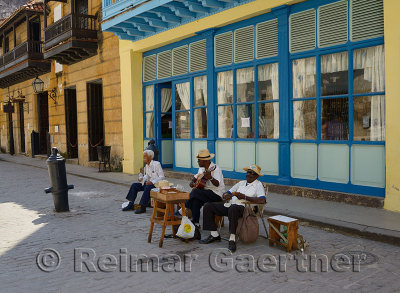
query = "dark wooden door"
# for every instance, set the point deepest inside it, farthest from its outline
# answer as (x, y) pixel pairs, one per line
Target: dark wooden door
(43, 115)
(21, 126)
(11, 133)
(95, 118)
(35, 30)
(71, 123)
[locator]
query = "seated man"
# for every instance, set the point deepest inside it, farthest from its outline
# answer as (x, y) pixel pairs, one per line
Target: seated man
(250, 190)
(153, 173)
(211, 191)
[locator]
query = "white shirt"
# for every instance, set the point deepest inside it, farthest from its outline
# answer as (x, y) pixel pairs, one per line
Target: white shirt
(217, 175)
(153, 172)
(253, 189)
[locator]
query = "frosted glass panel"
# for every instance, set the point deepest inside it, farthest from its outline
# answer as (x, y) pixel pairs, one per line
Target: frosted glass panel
(245, 154)
(167, 152)
(224, 154)
(368, 165)
(196, 146)
(303, 160)
(268, 157)
(182, 154)
(333, 163)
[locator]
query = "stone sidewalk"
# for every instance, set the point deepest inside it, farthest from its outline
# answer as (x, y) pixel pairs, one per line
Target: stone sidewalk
(372, 223)
(98, 248)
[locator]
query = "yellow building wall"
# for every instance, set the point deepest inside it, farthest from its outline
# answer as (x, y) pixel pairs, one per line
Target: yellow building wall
(105, 66)
(392, 73)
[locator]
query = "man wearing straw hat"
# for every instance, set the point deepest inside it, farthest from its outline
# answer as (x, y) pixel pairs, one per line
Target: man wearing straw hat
(211, 191)
(250, 190)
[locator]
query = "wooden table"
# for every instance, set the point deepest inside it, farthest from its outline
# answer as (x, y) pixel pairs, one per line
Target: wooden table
(291, 224)
(163, 210)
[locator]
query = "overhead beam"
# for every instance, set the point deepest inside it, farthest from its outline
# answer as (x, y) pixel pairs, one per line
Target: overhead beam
(166, 15)
(180, 10)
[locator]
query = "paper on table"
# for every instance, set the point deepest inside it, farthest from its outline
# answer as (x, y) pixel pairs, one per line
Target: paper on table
(283, 218)
(245, 122)
(169, 124)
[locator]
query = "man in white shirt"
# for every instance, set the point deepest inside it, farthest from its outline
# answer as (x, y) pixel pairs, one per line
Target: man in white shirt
(208, 186)
(250, 190)
(153, 173)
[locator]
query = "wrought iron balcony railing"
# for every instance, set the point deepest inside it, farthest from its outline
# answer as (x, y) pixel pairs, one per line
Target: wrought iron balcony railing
(28, 49)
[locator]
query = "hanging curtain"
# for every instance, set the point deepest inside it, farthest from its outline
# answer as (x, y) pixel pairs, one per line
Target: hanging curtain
(225, 95)
(150, 107)
(183, 90)
(271, 72)
(244, 77)
(372, 61)
(304, 71)
(200, 90)
(166, 100)
(335, 62)
(200, 96)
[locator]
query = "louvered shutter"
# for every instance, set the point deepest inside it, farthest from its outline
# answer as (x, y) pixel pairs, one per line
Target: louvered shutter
(164, 64)
(180, 60)
(302, 31)
(149, 68)
(244, 44)
(267, 39)
(198, 56)
(332, 24)
(223, 49)
(366, 19)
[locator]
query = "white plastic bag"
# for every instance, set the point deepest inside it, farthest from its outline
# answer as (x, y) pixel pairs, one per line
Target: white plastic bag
(125, 204)
(186, 229)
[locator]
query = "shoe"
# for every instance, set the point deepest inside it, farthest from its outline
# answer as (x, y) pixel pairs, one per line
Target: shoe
(141, 210)
(210, 239)
(232, 246)
(197, 234)
(128, 207)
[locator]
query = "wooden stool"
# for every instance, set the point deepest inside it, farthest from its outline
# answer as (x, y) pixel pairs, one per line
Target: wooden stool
(275, 234)
(163, 211)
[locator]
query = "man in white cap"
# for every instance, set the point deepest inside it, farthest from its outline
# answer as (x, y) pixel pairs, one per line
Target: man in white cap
(208, 186)
(153, 174)
(250, 190)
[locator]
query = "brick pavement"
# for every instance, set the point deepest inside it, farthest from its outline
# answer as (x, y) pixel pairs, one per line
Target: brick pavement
(28, 225)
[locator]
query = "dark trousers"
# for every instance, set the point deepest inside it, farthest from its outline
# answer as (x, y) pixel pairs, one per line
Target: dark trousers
(135, 188)
(212, 209)
(198, 197)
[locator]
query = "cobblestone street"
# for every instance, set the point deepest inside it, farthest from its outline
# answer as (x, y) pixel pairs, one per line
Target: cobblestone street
(97, 226)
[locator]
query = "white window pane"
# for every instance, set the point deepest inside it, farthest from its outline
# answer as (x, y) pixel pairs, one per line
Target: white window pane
(369, 118)
(268, 82)
(225, 87)
(304, 78)
(245, 84)
(225, 122)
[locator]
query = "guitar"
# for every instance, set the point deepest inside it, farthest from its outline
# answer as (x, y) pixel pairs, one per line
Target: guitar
(202, 181)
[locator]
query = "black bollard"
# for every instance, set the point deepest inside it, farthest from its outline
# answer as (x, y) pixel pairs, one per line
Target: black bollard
(58, 181)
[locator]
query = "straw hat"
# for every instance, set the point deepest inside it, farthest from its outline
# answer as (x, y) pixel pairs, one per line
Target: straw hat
(254, 168)
(205, 155)
(163, 184)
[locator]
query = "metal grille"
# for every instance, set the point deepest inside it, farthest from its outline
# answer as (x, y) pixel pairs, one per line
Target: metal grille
(332, 24)
(164, 64)
(267, 39)
(223, 49)
(366, 19)
(244, 44)
(149, 68)
(180, 60)
(302, 31)
(198, 56)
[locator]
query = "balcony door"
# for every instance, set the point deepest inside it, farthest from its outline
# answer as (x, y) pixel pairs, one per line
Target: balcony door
(81, 6)
(34, 30)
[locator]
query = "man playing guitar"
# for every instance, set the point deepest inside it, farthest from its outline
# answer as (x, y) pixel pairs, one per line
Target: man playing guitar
(208, 186)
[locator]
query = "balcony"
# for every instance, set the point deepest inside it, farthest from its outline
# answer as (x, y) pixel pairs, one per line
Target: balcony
(23, 62)
(71, 39)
